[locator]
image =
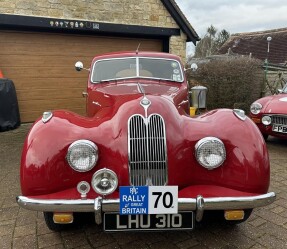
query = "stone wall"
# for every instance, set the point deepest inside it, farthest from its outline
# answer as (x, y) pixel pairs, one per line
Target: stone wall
(131, 12)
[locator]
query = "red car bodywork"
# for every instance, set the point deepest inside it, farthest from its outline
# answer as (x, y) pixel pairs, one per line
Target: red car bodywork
(274, 106)
(46, 174)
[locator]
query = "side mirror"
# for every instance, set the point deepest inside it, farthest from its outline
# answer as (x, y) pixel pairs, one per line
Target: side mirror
(192, 67)
(79, 66)
(280, 90)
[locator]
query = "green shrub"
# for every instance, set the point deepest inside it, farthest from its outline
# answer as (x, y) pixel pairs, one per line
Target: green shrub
(232, 82)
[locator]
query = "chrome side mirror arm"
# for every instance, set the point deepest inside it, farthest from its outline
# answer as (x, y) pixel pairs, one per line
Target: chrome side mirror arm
(79, 66)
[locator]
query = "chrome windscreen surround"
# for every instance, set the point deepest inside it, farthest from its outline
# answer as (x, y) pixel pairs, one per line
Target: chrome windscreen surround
(147, 150)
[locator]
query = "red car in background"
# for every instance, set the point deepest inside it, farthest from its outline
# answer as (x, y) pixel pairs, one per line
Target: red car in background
(270, 114)
(138, 161)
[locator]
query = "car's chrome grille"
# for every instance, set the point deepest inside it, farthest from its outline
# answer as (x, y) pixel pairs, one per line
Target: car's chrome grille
(279, 120)
(147, 150)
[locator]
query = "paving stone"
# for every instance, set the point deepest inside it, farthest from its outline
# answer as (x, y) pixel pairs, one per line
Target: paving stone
(76, 240)
(6, 229)
(190, 243)
(258, 246)
(278, 210)
(26, 242)
(6, 241)
(138, 244)
(101, 239)
(48, 240)
(21, 231)
(257, 222)
(272, 242)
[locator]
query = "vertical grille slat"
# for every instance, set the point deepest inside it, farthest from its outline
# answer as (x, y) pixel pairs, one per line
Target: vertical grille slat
(279, 120)
(147, 150)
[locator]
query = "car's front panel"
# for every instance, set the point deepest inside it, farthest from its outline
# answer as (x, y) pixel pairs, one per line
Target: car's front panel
(270, 115)
(138, 161)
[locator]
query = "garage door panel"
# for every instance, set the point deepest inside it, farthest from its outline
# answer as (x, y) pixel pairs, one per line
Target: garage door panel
(44, 104)
(77, 40)
(51, 83)
(46, 61)
(40, 50)
(33, 115)
(43, 72)
(41, 66)
(39, 94)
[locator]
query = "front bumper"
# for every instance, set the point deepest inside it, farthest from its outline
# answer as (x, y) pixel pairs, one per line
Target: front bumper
(100, 205)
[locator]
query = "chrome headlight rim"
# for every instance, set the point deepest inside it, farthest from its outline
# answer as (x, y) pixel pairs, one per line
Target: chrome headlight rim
(202, 142)
(89, 144)
(255, 108)
(266, 120)
(104, 174)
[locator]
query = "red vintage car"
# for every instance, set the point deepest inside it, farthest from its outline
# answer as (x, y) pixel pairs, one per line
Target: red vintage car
(270, 114)
(138, 161)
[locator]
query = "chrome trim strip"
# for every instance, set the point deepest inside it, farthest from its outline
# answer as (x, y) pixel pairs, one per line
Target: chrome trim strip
(56, 205)
(137, 69)
(112, 205)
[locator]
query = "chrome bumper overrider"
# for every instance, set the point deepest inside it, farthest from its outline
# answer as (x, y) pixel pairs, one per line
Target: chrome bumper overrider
(99, 205)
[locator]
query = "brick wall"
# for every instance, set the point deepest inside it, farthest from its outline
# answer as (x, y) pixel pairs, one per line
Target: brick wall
(131, 12)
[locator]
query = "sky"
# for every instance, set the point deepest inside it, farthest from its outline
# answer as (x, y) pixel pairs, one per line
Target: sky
(233, 15)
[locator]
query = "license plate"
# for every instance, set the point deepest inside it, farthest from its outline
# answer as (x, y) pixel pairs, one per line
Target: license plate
(279, 128)
(138, 200)
(116, 222)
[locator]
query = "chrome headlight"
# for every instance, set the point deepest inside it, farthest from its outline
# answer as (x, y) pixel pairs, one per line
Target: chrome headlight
(266, 120)
(82, 155)
(210, 152)
(104, 181)
(255, 108)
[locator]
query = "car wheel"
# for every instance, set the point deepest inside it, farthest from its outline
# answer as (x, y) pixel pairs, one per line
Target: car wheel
(55, 226)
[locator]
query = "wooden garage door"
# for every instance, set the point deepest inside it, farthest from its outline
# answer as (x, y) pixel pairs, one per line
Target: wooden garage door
(41, 66)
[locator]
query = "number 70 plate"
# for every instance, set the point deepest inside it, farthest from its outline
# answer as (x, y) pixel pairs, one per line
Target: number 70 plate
(148, 200)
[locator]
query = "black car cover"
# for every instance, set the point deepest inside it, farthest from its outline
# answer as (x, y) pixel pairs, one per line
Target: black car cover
(9, 110)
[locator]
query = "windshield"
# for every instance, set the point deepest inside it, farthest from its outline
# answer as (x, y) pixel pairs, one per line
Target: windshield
(137, 67)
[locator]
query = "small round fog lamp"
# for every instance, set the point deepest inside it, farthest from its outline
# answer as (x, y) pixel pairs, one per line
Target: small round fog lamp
(83, 188)
(104, 181)
(266, 120)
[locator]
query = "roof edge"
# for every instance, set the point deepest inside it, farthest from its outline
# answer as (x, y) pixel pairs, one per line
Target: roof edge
(263, 32)
(181, 20)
